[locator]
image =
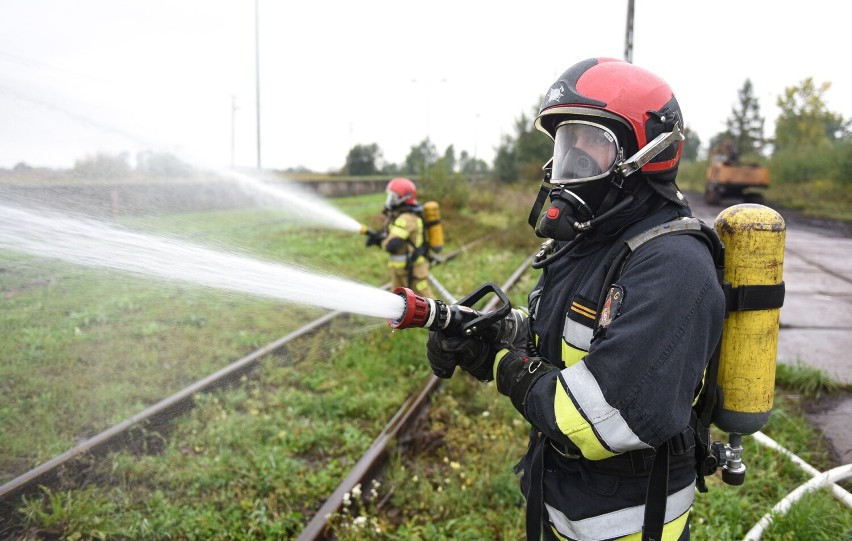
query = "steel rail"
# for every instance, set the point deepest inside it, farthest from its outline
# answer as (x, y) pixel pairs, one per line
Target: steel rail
(131, 431)
(373, 460)
(153, 416)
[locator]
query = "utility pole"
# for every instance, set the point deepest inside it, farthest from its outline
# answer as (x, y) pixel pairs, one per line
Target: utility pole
(628, 36)
(257, 74)
(475, 144)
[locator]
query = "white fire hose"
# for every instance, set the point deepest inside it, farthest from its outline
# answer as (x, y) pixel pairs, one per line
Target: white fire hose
(819, 480)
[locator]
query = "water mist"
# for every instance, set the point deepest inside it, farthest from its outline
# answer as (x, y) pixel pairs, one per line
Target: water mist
(90, 243)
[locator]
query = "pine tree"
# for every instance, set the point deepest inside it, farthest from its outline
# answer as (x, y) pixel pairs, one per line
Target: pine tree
(745, 125)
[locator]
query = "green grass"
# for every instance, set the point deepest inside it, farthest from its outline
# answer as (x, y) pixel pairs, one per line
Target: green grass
(256, 460)
(462, 487)
(85, 348)
(816, 198)
(805, 380)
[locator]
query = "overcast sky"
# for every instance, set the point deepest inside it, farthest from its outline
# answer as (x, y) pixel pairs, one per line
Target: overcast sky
(87, 76)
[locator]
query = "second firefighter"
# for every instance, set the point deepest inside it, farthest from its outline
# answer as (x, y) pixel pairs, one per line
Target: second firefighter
(404, 238)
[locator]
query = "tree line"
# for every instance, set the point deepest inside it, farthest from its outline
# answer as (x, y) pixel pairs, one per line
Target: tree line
(809, 141)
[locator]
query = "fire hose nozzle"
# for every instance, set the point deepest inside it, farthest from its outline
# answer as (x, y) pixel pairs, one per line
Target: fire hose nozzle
(364, 229)
(418, 311)
(458, 319)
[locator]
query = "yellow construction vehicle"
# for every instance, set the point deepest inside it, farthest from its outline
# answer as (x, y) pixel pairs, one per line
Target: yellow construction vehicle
(727, 177)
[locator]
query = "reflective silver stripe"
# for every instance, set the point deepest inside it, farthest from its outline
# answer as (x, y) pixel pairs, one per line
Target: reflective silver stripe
(577, 334)
(611, 427)
(618, 523)
(681, 224)
(403, 258)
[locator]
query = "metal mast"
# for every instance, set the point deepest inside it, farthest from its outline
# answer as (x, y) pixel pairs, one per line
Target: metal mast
(628, 36)
(257, 74)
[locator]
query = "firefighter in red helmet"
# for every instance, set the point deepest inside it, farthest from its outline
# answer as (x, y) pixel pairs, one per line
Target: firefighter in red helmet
(612, 353)
(403, 237)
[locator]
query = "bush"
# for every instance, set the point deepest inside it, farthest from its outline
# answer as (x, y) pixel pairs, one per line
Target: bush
(690, 175)
(803, 164)
(449, 189)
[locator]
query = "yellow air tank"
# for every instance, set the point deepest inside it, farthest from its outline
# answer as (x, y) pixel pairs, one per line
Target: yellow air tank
(753, 236)
(432, 222)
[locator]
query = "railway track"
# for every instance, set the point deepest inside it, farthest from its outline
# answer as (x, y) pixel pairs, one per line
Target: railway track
(373, 461)
(136, 432)
(129, 432)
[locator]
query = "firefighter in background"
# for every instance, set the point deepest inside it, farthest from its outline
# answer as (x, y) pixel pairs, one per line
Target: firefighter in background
(403, 237)
(607, 374)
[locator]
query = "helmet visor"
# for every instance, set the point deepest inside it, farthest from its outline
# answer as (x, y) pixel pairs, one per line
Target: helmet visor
(393, 200)
(583, 151)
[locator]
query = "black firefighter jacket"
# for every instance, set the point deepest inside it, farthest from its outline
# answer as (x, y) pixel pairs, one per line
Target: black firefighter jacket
(625, 389)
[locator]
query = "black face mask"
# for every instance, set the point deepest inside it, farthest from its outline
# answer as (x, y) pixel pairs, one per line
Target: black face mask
(567, 210)
(569, 218)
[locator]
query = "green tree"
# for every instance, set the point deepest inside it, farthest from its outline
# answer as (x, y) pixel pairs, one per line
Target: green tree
(691, 145)
(391, 169)
(420, 158)
(450, 159)
(362, 160)
(522, 155)
(161, 164)
(441, 183)
(103, 166)
(505, 162)
(745, 125)
(471, 166)
(805, 121)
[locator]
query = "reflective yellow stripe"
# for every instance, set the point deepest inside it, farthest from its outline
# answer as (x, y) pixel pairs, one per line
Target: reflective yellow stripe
(571, 355)
(421, 285)
(398, 231)
(572, 423)
(497, 358)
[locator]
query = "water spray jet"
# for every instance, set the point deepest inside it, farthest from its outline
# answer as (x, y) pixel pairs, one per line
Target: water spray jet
(299, 201)
(93, 244)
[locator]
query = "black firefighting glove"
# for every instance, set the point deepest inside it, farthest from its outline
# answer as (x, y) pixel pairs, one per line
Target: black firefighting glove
(374, 238)
(516, 375)
(474, 354)
(445, 352)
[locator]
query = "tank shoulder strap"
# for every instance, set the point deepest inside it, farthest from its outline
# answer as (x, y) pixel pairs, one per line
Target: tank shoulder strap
(679, 226)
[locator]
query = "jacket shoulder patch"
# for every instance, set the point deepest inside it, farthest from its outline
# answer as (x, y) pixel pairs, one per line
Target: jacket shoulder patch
(612, 306)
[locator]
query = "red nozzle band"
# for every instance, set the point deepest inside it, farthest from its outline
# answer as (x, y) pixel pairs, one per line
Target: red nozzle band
(417, 312)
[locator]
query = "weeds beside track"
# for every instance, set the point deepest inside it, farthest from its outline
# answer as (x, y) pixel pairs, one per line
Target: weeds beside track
(143, 432)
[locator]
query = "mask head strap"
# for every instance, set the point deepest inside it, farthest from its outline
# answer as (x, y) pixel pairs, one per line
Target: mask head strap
(540, 199)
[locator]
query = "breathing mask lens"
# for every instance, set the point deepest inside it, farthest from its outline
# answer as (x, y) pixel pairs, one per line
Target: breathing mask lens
(393, 200)
(582, 151)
